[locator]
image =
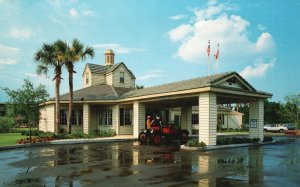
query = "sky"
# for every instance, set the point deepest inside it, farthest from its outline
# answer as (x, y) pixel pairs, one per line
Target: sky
(160, 41)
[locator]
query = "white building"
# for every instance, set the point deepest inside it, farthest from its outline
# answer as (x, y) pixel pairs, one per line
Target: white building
(109, 100)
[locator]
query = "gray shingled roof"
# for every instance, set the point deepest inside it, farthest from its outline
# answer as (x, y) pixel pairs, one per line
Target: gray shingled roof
(107, 92)
(97, 92)
(96, 68)
(177, 86)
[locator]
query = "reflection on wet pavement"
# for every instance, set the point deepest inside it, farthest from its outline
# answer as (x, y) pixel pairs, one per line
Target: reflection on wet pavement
(131, 164)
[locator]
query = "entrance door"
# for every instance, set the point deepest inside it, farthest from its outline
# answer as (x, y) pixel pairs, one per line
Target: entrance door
(176, 120)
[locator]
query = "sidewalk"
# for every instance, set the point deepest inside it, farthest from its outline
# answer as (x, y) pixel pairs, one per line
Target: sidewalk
(118, 138)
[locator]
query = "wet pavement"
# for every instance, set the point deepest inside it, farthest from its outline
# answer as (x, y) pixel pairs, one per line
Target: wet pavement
(131, 164)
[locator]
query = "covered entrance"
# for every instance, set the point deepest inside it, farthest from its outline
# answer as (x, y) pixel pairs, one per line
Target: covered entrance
(229, 89)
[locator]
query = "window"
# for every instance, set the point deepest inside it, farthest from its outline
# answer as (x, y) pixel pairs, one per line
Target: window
(77, 117)
(105, 117)
(195, 119)
(63, 117)
(122, 77)
(87, 78)
(128, 116)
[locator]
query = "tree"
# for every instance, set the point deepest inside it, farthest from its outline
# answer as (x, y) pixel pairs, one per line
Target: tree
(294, 99)
(26, 101)
(74, 53)
(138, 87)
(48, 57)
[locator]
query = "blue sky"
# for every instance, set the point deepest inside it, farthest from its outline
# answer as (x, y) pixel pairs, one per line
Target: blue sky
(160, 41)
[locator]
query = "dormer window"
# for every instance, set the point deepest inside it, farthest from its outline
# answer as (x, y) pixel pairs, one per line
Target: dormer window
(122, 77)
(87, 78)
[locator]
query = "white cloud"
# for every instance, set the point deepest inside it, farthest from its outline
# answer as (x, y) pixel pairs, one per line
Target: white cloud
(230, 31)
(264, 43)
(117, 48)
(150, 75)
(179, 17)
(7, 49)
(20, 33)
(88, 13)
(261, 27)
(180, 32)
(39, 79)
(73, 13)
(258, 70)
(7, 61)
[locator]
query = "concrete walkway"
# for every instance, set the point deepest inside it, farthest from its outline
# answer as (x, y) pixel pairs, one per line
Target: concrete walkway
(118, 138)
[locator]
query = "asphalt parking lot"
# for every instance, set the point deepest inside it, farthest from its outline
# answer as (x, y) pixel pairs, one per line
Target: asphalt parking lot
(131, 164)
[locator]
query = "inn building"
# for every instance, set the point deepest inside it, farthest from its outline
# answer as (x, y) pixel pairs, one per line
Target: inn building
(109, 100)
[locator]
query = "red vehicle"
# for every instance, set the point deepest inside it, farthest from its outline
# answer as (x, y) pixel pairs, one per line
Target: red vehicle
(156, 133)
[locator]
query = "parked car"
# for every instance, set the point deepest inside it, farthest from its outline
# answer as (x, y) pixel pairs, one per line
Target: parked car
(275, 128)
(290, 126)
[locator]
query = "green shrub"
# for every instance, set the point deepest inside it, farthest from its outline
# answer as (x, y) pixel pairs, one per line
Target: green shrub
(33, 132)
(104, 133)
(255, 140)
(268, 139)
(195, 143)
(6, 124)
(235, 140)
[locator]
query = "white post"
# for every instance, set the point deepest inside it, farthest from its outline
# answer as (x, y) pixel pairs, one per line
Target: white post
(139, 120)
(208, 118)
(116, 118)
(256, 117)
(86, 118)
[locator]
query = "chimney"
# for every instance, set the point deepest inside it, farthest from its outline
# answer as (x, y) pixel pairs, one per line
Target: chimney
(109, 57)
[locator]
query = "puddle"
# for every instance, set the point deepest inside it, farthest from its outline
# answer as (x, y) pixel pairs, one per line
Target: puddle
(130, 164)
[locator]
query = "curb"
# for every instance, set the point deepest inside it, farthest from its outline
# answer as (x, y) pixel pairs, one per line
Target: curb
(65, 142)
(216, 147)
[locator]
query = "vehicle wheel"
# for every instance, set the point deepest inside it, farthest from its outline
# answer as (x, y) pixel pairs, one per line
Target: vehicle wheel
(281, 131)
(143, 137)
(156, 139)
(184, 138)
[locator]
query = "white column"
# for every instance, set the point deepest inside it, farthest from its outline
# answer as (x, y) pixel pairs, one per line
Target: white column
(256, 114)
(116, 118)
(183, 117)
(189, 119)
(86, 118)
(208, 118)
(138, 118)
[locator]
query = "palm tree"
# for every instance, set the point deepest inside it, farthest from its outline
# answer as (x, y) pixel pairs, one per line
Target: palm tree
(52, 56)
(75, 53)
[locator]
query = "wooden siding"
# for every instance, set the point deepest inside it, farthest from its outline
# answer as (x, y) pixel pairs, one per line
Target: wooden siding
(208, 118)
(47, 121)
(98, 79)
(109, 79)
(138, 118)
(85, 72)
(256, 111)
(128, 81)
(86, 118)
(128, 129)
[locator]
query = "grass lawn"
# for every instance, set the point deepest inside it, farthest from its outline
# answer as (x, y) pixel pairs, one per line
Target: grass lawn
(10, 138)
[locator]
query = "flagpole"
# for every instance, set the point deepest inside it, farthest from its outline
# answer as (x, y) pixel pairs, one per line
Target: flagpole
(208, 62)
(208, 57)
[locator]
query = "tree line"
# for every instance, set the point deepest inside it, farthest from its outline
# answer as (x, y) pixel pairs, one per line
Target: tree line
(278, 112)
(51, 57)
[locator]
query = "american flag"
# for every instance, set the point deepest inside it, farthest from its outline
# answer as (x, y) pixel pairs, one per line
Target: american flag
(216, 55)
(208, 48)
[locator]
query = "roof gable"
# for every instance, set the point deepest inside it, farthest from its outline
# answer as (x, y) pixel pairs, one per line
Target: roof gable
(233, 80)
(116, 66)
(99, 69)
